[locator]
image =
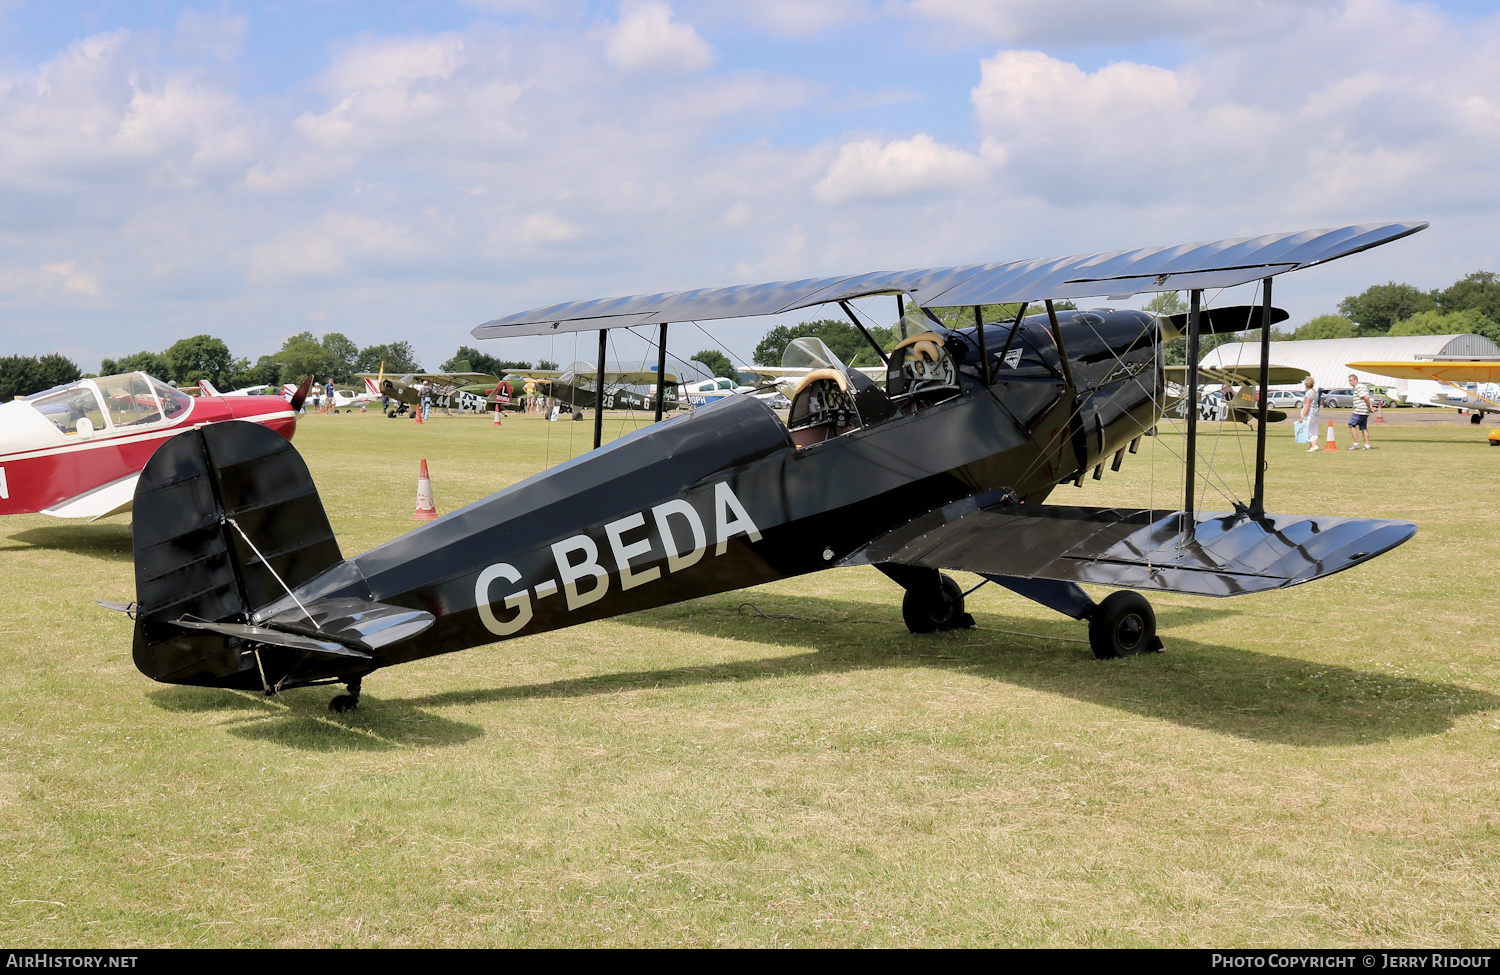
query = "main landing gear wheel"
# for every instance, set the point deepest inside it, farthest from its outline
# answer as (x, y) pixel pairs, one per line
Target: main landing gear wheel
(1123, 625)
(1474, 418)
(929, 610)
(346, 702)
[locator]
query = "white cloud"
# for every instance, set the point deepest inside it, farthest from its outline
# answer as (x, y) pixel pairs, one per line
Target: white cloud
(647, 40)
(48, 280)
(544, 228)
(420, 184)
(200, 35)
(900, 169)
(1374, 110)
(804, 18)
(1089, 21)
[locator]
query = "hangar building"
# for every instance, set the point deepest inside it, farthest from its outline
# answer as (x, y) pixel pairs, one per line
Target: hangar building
(1326, 358)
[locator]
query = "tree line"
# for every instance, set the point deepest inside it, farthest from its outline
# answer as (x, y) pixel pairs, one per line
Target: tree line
(1469, 305)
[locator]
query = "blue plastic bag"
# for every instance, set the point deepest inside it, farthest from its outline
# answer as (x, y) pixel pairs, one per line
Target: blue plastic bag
(1300, 428)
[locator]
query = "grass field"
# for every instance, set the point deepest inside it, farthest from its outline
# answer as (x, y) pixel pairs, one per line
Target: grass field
(785, 765)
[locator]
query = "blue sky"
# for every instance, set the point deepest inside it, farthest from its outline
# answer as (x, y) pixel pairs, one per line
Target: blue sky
(408, 170)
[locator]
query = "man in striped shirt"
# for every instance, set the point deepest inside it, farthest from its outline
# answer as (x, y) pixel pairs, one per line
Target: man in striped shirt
(1359, 420)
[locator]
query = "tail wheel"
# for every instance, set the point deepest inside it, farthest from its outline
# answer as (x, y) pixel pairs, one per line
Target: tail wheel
(928, 610)
(1123, 625)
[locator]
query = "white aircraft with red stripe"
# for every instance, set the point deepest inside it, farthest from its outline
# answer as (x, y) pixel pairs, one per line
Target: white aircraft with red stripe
(76, 451)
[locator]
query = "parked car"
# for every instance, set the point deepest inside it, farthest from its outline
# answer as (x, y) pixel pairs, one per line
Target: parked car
(1284, 399)
(1343, 399)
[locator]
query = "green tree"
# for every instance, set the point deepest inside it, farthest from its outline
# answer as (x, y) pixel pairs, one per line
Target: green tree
(1166, 303)
(842, 339)
(200, 357)
(302, 357)
(716, 362)
(150, 363)
(265, 372)
(22, 375)
(1378, 307)
(1465, 322)
(1479, 292)
(963, 317)
(468, 359)
(399, 358)
(345, 352)
(545, 364)
(1327, 327)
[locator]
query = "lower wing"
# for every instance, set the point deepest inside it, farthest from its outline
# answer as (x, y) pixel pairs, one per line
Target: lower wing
(1209, 554)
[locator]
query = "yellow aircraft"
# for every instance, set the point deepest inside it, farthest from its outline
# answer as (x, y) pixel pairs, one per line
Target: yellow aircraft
(1476, 380)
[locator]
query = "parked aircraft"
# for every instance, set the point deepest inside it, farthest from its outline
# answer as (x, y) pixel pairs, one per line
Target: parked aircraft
(1474, 383)
(1235, 400)
(240, 582)
(406, 391)
(76, 451)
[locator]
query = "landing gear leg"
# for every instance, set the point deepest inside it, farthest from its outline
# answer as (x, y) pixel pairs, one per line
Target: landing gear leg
(347, 702)
(933, 601)
(1123, 625)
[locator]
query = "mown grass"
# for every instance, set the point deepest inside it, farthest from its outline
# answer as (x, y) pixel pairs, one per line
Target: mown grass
(1311, 767)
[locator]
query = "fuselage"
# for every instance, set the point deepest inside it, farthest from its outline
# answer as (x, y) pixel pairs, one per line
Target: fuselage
(64, 442)
(725, 498)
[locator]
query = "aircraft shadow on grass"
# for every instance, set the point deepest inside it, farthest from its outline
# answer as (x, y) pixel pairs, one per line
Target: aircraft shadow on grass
(1228, 690)
(302, 721)
(109, 542)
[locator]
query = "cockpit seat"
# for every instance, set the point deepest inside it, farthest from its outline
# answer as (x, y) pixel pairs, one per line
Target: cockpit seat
(920, 367)
(828, 403)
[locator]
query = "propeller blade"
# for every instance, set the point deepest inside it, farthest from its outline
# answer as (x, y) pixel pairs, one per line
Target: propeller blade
(300, 396)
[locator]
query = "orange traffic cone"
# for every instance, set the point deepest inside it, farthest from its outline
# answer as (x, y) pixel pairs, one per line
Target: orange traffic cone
(417, 412)
(1332, 443)
(497, 415)
(426, 508)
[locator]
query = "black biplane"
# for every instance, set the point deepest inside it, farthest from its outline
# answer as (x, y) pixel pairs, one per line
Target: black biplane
(240, 582)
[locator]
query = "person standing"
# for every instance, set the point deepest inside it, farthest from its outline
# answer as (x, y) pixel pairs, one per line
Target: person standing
(1312, 397)
(1359, 420)
(426, 406)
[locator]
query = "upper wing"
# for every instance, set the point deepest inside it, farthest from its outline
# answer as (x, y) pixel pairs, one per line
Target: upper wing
(113, 498)
(1215, 264)
(458, 378)
(1452, 371)
(1212, 554)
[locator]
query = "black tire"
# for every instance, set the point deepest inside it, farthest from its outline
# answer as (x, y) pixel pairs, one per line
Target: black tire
(1123, 625)
(343, 703)
(578, 415)
(927, 611)
(1475, 418)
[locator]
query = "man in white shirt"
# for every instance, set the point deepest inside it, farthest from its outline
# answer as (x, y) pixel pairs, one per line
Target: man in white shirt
(1359, 420)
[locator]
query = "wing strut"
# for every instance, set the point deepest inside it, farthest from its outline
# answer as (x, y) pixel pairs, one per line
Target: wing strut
(1258, 501)
(1190, 399)
(599, 392)
(661, 368)
(865, 332)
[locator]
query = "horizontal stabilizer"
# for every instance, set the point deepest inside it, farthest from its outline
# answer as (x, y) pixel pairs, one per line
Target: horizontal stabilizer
(1213, 554)
(262, 634)
(352, 622)
(1230, 318)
